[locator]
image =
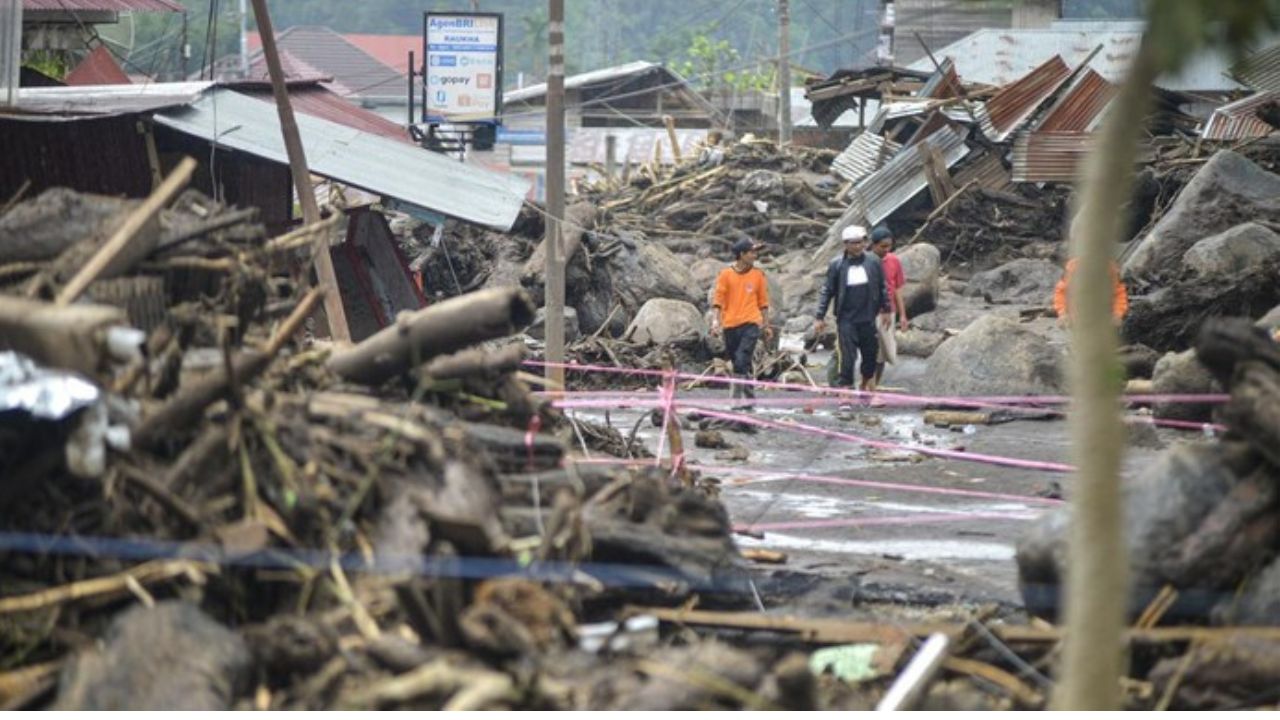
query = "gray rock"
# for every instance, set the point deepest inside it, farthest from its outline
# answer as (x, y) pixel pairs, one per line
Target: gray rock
(1228, 253)
(921, 264)
(996, 356)
(662, 321)
(1270, 321)
(1166, 508)
(1182, 374)
(954, 313)
(651, 271)
(538, 330)
(705, 271)
(1228, 188)
(1021, 281)
(1139, 361)
(170, 657)
(919, 343)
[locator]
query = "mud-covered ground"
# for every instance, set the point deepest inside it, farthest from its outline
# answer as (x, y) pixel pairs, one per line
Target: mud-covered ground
(849, 543)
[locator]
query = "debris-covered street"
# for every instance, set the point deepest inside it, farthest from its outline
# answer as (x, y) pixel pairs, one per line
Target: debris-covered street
(952, 387)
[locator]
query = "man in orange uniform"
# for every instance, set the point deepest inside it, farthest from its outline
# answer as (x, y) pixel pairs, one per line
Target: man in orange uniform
(1119, 296)
(742, 311)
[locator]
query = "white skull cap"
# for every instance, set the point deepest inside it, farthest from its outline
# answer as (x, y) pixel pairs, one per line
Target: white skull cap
(853, 232)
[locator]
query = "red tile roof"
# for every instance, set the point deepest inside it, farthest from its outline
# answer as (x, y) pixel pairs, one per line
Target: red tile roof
(390, 50)
(99, 68)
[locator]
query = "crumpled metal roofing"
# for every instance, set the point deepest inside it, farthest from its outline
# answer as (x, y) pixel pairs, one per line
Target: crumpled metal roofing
(352, 157)
(1260, 71)
(867, 153)
(879, 194)
(1016, 102)
(943, 83)
(1049, 156)
(104, 5)
(1080, 108)
(1238, 121)
(77, 101)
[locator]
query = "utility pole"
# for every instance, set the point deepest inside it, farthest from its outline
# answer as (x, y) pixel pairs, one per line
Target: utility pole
(554, 271)
(10, 50)
(784, 72)
(301, 178)
(244, 40)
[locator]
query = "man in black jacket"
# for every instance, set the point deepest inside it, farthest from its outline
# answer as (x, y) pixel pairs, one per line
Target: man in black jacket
(855, 282)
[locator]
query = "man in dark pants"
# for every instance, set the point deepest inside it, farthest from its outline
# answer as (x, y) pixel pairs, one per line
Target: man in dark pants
(741, 305)
(855, 282)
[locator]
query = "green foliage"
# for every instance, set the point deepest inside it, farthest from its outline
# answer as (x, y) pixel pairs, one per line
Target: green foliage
(52, 63)
(715, 64)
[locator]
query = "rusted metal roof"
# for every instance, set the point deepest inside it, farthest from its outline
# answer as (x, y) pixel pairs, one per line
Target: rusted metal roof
(1260, 71)
(943, 83)
(104, 5)
(318, 101)
(1049, 156)
(1045, 156)
(879, 194)
(1238, 120)
(867, 153)
(1013, 104)
(1079, 109)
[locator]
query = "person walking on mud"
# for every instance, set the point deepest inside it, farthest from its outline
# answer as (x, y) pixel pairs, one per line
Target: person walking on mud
(855, 282)
(741, 304)
(894, 279)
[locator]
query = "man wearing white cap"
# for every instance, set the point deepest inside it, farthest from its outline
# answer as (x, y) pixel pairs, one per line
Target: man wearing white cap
(855, 282)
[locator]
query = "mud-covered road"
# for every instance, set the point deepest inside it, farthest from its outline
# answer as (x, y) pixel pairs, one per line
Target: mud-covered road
(896, 525)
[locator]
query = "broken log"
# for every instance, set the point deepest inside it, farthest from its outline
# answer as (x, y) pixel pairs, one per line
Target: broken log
(70, 338)
(476, 361)
(948, 418)
(432, 331)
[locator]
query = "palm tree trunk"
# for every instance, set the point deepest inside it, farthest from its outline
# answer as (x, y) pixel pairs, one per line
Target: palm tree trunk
(1097, 575)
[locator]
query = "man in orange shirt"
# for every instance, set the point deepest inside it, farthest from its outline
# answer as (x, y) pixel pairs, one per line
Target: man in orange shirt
(1119, 295)
(741, 305)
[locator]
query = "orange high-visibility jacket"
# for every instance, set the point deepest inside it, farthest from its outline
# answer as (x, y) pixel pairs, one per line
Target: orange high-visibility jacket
(1119, 295)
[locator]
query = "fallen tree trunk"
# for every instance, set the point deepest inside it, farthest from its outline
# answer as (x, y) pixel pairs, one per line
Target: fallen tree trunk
(71, 338)
(436, 330)
(476, 361)
(577, 219)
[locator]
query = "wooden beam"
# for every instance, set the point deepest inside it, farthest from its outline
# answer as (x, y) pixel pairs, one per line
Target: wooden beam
(130, 242)
(328, 279)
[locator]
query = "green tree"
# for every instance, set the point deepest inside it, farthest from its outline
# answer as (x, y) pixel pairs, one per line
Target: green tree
(1097, 589)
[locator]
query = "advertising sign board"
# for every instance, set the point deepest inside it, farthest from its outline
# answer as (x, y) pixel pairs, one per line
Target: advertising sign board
(463, 72)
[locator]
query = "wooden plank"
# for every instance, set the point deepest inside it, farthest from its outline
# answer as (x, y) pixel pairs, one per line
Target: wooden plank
(130, 236)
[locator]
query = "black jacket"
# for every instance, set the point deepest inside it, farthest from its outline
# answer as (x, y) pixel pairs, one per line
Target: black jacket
(833, 289)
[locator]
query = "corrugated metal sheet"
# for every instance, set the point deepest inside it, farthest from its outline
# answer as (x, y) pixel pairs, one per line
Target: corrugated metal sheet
(998, 56)
(1056, 156)
(867, 153)
(580, 80)
(1261, 70)
(1045, 156)
(987, 171)
(1013, 104)
(104, 5)
(1238, 121)
(1079, 108)
(943, 83)
(889, 188)
(318, 101)
(355, 158)
(48, 103)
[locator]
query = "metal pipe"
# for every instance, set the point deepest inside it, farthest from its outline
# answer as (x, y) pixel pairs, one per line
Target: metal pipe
(911, 685)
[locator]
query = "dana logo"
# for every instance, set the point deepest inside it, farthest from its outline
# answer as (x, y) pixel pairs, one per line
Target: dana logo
(444, 60)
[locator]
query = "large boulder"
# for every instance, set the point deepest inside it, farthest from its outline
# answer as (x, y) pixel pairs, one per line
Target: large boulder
(1023, 281)
(996, 356)
(1229, 253)
(922, 266)
(1182, 374)
(1200, 518)
(538, 329)
(662, 321)
(1227, 189)
(955, 313)
(647, 270)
